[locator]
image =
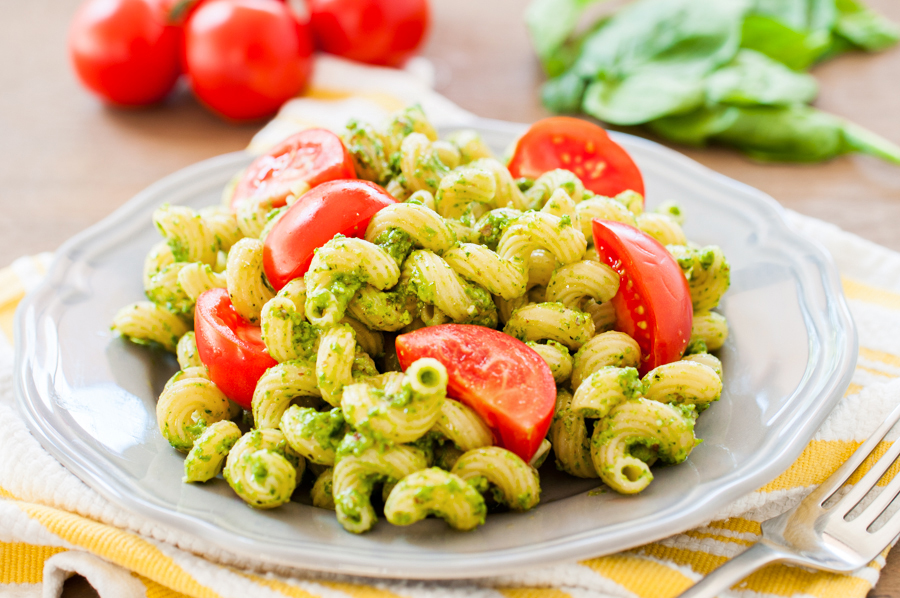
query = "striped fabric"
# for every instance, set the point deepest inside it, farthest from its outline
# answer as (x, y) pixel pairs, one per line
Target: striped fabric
(52, 524)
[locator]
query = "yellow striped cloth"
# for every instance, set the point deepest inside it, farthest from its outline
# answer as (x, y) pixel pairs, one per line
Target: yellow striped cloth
(51, 524)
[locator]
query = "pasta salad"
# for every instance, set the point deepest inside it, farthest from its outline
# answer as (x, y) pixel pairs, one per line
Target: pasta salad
(385, 313)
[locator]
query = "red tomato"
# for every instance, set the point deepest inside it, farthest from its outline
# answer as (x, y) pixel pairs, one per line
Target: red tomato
(312, 156)
(653, 305)
(501, 378)
(124, 51)
(335, 207)
(374, 31)
(580, 146)
(230, 347)
(245, 58)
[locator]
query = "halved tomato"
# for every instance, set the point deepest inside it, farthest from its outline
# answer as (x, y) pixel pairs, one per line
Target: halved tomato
(580, 146)
(501, 378)
(230, 347)
(335, 207)
(653, 305)
(312, 156)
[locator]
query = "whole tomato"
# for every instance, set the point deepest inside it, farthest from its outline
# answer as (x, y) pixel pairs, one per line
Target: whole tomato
(245, 58)
(124, 50)
(374, 31)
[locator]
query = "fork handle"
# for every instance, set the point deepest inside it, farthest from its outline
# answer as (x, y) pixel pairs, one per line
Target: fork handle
(735, 570)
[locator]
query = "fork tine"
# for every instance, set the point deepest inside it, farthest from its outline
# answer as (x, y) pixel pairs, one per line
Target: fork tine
(881, 502)
(887, 533)
(837, 479)
(868, 481)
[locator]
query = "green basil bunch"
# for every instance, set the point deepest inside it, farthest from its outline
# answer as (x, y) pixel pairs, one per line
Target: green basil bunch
(697, 71)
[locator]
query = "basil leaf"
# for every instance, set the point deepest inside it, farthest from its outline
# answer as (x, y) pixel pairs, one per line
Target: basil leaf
(858, 139)
(799, 15)
(563, 94)
(642, 97)
(673, 37)
(550, 24)
(802, 134)
(795, 49)
(753, 78)
(864, 28)
(697, 127)
(791, 133)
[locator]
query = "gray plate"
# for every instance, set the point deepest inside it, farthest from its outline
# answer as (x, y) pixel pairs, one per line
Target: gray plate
(90, 397)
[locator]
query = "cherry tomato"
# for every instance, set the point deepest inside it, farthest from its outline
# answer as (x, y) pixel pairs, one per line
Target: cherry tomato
(124, 51)
(312, 156)
(653, 305)
(501, 378)
(580, 146)
(229, 346)
(245, 58)
(335, 207)
(374, 31)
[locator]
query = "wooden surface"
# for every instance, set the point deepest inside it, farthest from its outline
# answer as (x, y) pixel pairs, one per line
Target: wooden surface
(66, 161)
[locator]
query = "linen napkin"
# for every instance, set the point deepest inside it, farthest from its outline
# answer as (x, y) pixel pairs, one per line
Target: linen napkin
(53, 525)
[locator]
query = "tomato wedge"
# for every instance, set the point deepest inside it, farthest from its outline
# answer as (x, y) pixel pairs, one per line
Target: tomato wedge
(580, 146)
(501, 378)
(230, 347)
(312, 156)
(335, 207)
(653, 305)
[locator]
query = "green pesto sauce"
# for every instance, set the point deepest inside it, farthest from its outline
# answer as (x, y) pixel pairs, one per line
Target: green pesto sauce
(397, 243)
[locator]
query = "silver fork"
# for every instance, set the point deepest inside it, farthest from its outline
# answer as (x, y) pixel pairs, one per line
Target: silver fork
(820, 536)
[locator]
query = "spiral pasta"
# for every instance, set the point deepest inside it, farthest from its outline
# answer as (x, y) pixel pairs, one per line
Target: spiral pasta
(207, 456)
(557, 356)
(548, 183)
(278, 386)
(188, 235)
(687, 382)
(517, 483)
(427, 229)
(355, 476)
(665, 430)
(711, 328)
(338, 270)
(262, 469)
(145, 322)
(707, 272)
(401, 414)
(462, 187)
(604, 389)
(606, 349)
(186, 351)
(189, 403)
(462, 426)
(313, 434)
(570, 439)
(436, 492)
(574, 283)
(367, 148)
(247, 286)
(553, 321)
(436, 283)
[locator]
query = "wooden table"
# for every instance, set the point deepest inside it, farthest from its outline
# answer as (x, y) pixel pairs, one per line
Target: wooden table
(66, 161)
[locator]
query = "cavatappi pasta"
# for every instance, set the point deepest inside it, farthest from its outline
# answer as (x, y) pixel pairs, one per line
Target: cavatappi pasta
(465, 244)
